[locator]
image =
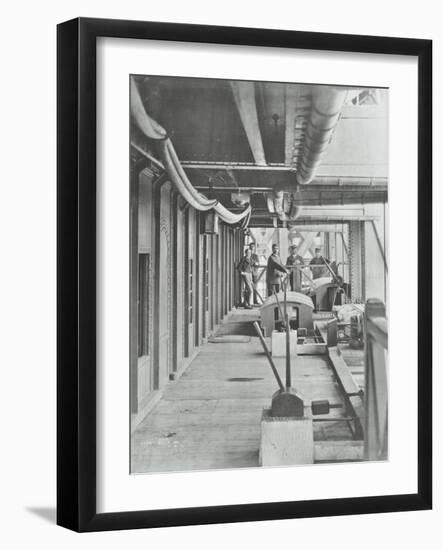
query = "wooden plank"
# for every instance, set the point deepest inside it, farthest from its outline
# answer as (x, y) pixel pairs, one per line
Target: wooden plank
(351, 391)
(312, 349)
(343, 373)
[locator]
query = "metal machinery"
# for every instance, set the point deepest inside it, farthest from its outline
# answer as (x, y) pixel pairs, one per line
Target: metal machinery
(286, 401)
(365, 412)
(347, 326)
(325, 296)
(299, 310)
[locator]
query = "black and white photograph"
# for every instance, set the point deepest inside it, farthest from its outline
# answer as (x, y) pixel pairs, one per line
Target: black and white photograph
(259, 262)
(221, 275)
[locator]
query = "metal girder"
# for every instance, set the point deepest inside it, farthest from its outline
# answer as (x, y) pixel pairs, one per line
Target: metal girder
(380, 246)
(327, 227)
(308, 239)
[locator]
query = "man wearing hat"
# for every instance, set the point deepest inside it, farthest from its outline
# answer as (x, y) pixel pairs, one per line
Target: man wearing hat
(275, 271)
(245, 268)
(295, 263)
(254, 264)
(318, 260)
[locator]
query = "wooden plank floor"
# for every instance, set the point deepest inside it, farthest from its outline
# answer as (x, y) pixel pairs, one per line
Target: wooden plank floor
(210, 417)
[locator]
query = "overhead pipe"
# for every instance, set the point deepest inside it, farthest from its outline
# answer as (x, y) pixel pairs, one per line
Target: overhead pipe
(295, 210)
(270, 203)
(190, 197)
(205, 203)
(327, 103)
(147, 125)
(175, 171)
(276, 204)
(188, 191)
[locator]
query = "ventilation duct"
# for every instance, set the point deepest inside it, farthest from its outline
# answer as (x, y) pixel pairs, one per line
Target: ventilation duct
(327, 104)
(284, 205)
(174, 169)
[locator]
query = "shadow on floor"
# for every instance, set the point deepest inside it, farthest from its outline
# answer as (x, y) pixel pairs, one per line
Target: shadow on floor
(46, 513)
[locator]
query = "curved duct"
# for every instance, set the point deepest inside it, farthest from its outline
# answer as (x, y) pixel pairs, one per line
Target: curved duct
(184, 190)
(147, 125)
(175, 171)
(205, 203)
(295, 211)
(187, 190)
(277, 204)
(270, 203)
(327, 104)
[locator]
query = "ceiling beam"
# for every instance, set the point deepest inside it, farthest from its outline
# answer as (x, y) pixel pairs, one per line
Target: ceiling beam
(315, 220)
(244, 95)
(318, 227)
(220, 165)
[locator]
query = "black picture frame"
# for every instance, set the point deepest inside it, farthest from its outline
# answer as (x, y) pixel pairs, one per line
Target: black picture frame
(76, 279)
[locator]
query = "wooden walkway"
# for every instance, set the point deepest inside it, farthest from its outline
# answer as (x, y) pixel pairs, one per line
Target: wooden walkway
(210, 417)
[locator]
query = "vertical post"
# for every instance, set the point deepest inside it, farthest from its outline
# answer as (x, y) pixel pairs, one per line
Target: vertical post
(288, 340)
(283, 243)
(174, 267)
(133, 269)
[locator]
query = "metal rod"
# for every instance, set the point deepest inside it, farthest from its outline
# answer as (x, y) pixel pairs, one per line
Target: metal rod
(147, 155)
(282, 316)
(268, 355)
(288, 339)
(334, 276)
(259, 295)
(380, 246)
(300, 268)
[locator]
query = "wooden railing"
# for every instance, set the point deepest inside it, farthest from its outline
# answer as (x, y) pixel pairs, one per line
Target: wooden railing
(376, 381)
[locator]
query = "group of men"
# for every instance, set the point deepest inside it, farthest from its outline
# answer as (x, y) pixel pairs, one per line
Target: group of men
(277, 272)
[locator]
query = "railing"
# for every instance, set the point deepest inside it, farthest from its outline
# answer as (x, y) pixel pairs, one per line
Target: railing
(376, 381)
(261, 290)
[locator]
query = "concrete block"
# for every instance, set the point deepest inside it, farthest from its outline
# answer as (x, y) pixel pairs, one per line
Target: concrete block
(286, 441)
(278, 343)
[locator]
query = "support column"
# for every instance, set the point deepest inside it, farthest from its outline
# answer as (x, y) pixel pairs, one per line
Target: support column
(133, 274)
(374, 241)
(355, 260)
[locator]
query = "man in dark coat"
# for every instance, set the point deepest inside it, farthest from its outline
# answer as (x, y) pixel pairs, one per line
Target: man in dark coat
(295, 263)
(245, 268)
(319, 268)
(254, 263)
(275, 271)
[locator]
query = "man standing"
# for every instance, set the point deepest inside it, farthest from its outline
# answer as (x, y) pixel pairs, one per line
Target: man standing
(275, 271)
(254, 264)
(245, 268)
(295, 263)
(320, 269)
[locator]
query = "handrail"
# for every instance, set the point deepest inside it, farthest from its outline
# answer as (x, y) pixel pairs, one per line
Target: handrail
(376, 381)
